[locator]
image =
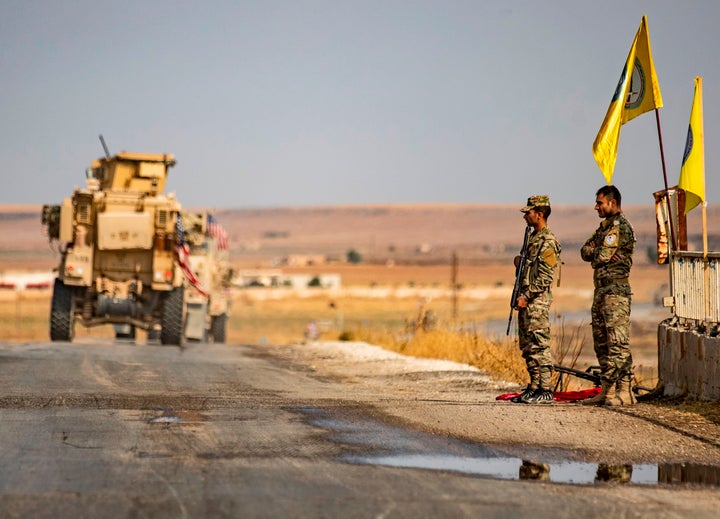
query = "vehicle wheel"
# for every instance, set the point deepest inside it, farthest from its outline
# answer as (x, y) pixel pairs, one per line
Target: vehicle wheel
(62, 325)
(218, 328)
(172, 317)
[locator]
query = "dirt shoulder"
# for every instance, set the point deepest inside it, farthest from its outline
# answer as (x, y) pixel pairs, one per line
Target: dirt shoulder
(457, 400)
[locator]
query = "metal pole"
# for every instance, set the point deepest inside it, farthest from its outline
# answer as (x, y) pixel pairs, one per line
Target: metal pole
(667, 188)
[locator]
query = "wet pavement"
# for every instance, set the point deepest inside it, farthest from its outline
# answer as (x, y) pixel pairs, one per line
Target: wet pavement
(372, 442)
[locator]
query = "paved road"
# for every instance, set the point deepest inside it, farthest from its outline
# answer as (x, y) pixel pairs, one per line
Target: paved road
(124, 430)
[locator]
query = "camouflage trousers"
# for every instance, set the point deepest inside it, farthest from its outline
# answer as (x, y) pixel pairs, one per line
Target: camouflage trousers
(611, 331)
(534, 335)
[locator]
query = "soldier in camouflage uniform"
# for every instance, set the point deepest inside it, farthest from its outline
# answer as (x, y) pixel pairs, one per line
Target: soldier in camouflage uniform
(609, 250)
(534, 299)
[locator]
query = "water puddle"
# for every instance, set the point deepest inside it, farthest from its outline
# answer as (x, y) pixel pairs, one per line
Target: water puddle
(165, 420)
(371, 442)
(168, 417)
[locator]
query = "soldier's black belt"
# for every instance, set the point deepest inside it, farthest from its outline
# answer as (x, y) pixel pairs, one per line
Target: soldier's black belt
(600, 283)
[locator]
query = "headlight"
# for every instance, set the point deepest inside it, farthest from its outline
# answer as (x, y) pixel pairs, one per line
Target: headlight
(70, 270)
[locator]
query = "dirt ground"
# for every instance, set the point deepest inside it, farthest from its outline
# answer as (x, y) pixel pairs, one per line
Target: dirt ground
(457, 400)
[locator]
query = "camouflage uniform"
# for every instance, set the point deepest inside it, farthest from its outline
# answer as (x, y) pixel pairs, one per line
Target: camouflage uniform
(619, 473)
(534, 470)
(612, 298)
(543, 259)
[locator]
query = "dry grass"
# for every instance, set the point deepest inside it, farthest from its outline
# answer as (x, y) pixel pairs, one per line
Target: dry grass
(24, 317)
(283, 319)
(499, 358)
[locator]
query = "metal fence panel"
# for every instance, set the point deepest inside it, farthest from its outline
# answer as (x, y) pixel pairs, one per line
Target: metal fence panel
(689, 287)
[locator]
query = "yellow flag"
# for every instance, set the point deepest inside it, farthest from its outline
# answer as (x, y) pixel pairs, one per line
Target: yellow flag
(692, 172)
(643, 92)
(637, 92)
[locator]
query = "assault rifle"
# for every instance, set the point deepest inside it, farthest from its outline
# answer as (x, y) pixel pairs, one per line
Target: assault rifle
(518, 271)
(592, 373)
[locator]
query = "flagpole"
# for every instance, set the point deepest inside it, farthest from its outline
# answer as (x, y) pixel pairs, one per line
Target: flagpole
(669, 206)
(705, 261)
(665, 179)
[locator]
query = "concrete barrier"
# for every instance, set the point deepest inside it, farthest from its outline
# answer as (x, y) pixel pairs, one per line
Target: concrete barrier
(688, 362)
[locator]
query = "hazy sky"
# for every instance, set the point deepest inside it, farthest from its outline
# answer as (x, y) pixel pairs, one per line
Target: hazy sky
(277, 103)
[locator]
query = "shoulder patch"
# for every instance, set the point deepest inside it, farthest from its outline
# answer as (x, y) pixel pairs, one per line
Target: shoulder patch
(611, 239)
(549, 257)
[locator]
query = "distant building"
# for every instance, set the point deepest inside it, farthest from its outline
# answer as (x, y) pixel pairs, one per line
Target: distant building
(259, 278)
(26, 280)
(275, 278)
(305, 260)
(300, 281)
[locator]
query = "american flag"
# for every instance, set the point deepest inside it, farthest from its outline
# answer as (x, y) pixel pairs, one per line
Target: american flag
(218, 232)
(183, 255)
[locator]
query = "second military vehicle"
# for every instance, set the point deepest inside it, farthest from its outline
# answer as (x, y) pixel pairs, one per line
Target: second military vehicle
(207, 313)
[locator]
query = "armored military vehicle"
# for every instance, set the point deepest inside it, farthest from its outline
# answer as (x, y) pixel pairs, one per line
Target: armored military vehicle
(208, 312)
(119, 239)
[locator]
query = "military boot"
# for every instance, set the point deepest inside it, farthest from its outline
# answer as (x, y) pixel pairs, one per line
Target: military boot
(524, 394)
(612, 398)
(540, 396)
(599, 399)
(623, 394)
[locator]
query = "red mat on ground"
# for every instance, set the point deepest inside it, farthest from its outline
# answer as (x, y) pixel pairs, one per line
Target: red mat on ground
(561, 396)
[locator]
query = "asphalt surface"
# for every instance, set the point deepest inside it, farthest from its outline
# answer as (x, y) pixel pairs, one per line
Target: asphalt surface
(103, 429)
